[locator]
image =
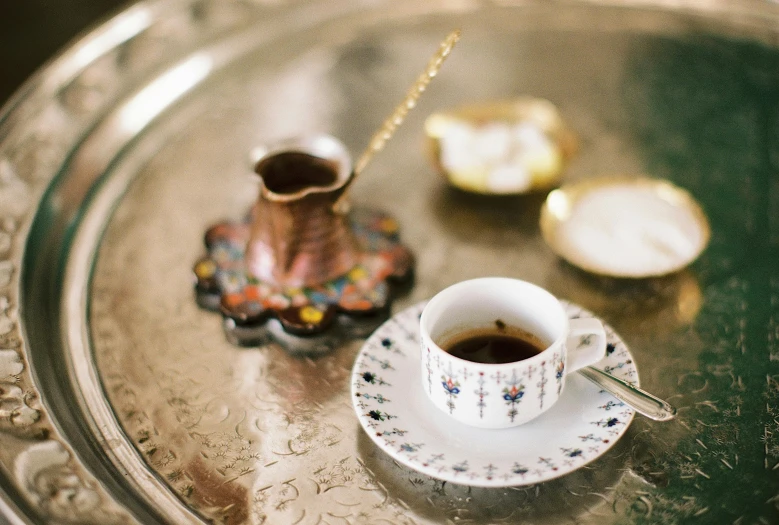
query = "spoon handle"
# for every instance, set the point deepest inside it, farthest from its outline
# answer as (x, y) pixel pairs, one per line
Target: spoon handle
(641, 401)
(393, 122)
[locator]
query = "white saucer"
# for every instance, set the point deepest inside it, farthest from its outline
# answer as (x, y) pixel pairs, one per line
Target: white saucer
(395, 412)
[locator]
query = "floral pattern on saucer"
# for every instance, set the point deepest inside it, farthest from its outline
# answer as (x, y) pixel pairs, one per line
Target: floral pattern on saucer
(388, 397)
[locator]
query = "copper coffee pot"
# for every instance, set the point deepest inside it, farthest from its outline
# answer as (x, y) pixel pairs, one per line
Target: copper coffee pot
(296, 239)
(303, 258)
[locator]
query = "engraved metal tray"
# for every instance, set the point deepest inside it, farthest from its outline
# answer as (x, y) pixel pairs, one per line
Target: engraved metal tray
(122, 402)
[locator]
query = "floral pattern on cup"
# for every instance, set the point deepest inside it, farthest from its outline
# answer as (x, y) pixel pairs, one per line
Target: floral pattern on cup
(512, 394)
(400, 432)
(452, 388)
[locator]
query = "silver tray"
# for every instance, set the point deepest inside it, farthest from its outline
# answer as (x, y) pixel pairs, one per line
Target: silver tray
(122, 402)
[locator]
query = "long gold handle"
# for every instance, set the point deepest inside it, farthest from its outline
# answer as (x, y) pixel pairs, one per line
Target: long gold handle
(393, 122)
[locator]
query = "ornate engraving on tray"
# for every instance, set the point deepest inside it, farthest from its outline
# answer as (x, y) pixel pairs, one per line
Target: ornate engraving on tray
(47, 475)
(10, 366)
(42, 467)
(44, 471)
(15, 412)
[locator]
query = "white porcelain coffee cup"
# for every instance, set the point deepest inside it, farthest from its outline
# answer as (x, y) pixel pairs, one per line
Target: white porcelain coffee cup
(502, 395)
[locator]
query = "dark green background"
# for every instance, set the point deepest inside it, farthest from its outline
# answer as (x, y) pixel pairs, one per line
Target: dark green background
(706, 111)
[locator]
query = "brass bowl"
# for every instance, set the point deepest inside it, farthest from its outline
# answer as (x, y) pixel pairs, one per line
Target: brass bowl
(653, 228)
(501, 148)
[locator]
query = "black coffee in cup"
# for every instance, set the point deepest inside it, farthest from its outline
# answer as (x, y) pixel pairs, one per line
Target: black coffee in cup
(494, 345)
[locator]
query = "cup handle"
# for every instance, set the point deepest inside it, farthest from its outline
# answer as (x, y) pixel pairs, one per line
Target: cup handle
(586, 343)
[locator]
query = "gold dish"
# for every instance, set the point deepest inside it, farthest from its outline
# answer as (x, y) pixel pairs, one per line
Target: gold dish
(625, 227)
(501, 148)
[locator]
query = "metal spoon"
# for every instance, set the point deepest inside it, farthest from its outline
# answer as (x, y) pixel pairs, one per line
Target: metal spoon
(641, 401)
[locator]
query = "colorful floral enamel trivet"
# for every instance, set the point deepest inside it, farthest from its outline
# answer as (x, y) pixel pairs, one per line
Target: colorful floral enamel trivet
(223, 284)
(395, 412)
